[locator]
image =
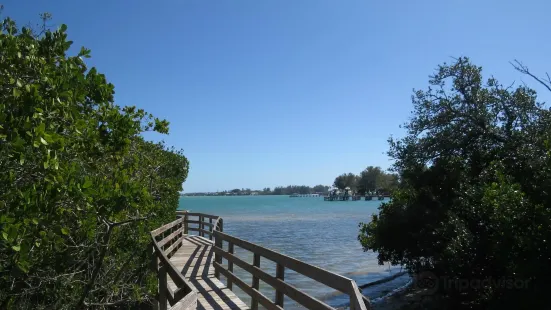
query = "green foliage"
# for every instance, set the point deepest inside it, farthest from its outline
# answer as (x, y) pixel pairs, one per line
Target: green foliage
(473, 204)
(346, 180)
(374, 179)
(299, 189)
(79, 189)
(371, 179)
(320, 189)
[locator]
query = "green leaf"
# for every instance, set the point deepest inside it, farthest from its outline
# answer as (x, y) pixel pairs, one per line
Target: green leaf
(63, 28)
(84, 52)
(5, 235)
(41, 128)
(64, 231)
(46, 165)
(35, 221)
(16, 248)
(87, 183)
(18, 83)
(23, 266)
(19, 143)
(43, 141)
(28, 88)
(16, 92)
(21, 160)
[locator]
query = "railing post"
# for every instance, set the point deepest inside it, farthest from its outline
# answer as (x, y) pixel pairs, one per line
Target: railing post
(179, 236)
(201, 226)
(166, 234)
(217, 257)
(185, 223)
(230, 264)
(162, 288)
(211, 229)
(280, 274)
(256, 282)
(155, 268)
(357, 300)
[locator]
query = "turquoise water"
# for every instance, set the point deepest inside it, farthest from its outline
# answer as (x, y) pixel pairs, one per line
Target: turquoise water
(322, 233)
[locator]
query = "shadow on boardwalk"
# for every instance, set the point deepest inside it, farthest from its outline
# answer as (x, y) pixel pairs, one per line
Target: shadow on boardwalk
(194, 259)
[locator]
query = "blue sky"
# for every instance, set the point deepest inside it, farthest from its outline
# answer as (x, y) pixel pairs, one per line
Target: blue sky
(267, 93)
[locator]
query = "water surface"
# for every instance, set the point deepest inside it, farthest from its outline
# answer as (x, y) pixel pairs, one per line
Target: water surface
(322, 233)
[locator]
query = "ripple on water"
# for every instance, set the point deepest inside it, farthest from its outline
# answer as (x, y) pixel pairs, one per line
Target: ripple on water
(318, 232)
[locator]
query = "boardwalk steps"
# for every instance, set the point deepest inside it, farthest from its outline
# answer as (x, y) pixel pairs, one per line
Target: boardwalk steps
(190, 267)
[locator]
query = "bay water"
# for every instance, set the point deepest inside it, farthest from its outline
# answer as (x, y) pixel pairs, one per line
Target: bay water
(322, 233)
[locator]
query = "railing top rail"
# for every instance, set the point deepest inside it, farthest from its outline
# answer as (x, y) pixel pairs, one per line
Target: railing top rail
(166, 227)
(202, 214)
(333, 280)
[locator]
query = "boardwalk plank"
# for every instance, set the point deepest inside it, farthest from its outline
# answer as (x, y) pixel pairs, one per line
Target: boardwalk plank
(194, 260)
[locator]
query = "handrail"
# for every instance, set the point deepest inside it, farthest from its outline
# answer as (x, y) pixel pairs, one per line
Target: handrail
(172, 236)
(213, 226)
(333, 280)
(217, 225)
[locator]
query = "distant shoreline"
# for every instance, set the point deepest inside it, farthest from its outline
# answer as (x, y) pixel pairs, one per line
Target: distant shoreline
(227, 195)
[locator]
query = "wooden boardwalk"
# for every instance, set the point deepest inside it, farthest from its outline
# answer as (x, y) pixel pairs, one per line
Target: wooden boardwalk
(194, 260)
(189, 267)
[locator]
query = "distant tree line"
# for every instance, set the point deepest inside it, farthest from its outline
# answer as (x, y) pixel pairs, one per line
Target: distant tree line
(279, 190)
(300, 189)
(371, 179)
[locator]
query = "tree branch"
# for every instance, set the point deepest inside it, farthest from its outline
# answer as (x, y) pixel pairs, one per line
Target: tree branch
(523, 69)
(97, 266)
(106, 304)
(115, 224)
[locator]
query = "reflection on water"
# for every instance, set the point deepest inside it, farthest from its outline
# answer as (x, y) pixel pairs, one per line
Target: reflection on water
(322, 233)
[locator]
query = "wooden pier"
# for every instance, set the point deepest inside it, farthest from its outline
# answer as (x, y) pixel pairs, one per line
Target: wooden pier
(304, 195)
(189, 267)
(345, 198)
(336, 198)
(378, 197)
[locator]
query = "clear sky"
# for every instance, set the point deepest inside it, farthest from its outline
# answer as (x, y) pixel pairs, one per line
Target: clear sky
(261, 93)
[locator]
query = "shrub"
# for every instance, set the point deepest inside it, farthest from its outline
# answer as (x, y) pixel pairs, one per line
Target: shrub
(80, 188)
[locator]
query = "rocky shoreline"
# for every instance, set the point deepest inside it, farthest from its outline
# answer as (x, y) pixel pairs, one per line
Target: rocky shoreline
(410, 298)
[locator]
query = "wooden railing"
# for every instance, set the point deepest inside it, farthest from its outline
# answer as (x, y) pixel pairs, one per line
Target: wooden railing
(282, 288)
(203, 224)
(211, 227)
(165, 242)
